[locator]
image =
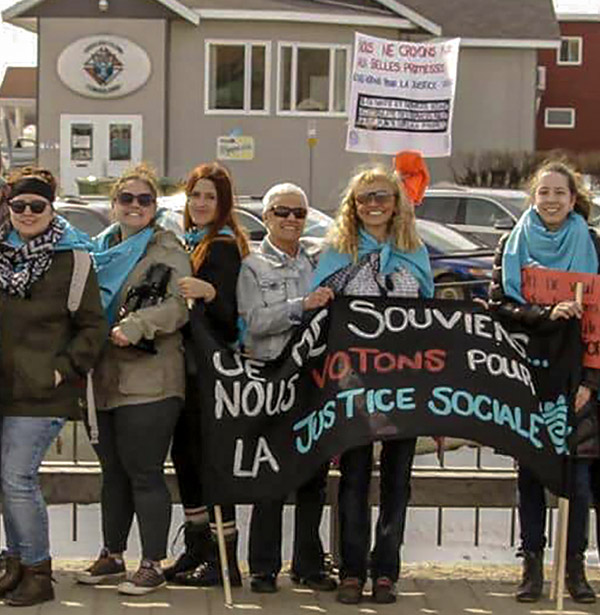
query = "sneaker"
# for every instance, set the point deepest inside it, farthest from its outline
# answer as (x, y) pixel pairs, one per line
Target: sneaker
(350, 590)
(146, 579)
(105, 569)
(319, 582)
(384, 590)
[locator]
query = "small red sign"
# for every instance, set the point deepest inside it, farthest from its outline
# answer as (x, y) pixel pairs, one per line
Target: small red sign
(549, 286)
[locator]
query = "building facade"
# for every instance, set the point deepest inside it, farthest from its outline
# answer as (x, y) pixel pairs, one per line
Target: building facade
(570, 89)
(250, 82)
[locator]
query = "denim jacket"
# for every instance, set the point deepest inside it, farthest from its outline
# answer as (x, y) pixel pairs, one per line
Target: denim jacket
(270, 290)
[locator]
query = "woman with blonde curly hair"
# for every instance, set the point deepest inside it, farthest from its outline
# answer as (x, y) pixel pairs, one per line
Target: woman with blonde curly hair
(374, 251)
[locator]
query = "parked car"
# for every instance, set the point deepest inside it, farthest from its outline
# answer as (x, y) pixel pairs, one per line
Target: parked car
(317, 222)
(23, 153)
(462, 267)
(484, 214)
(461, 274)
(94, 216)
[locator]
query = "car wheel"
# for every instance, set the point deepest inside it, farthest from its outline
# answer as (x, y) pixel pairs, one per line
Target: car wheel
(458, 293)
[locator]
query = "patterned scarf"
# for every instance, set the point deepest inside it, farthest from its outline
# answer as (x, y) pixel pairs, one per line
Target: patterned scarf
(21, 266)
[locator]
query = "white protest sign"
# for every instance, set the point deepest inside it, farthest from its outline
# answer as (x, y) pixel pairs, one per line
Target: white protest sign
(402, 96)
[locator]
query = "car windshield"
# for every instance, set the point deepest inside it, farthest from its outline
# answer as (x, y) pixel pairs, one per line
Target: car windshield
(444, 239)
(317, 224)
(515, 205)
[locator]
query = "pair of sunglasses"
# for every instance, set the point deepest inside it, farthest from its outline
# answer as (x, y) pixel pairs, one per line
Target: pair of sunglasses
(281, 211)
(127, 198)
(379, 196)
(35, 207)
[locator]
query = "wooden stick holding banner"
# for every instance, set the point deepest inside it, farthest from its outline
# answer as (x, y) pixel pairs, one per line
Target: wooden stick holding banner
(557, 587)
(223, 557)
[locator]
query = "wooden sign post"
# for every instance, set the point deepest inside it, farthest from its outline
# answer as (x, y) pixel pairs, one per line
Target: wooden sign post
(557, 587)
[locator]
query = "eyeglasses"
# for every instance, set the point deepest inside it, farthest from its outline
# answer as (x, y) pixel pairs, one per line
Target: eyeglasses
(35, 207)
(281, 211)
(127, 198)
(381, 197)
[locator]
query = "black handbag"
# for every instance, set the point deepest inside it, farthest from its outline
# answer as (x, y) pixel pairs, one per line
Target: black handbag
(151, 291)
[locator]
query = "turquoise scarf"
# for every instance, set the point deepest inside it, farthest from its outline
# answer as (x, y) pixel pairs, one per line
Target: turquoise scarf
(114, 263)
(531, 244)
(71, 239)
(194, 236)
(390, 259)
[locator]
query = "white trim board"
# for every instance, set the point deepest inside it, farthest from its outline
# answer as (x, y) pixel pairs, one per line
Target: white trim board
(516, 43)
(295, 16)
(578, 16)
(176, 7)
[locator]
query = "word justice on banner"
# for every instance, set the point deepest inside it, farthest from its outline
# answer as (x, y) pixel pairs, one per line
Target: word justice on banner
(363, 370)
(549, 286)
(402, 96)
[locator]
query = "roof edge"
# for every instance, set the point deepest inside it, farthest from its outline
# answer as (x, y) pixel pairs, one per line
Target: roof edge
(412, 15)
(13, 13)
(307, 16)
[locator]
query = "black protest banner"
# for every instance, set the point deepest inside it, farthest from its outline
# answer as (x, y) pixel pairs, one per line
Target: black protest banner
(371, 369)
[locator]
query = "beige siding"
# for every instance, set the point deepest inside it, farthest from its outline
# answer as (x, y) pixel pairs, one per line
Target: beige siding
(495, 110)
(495, 103)
(282, 152)
(56, 99)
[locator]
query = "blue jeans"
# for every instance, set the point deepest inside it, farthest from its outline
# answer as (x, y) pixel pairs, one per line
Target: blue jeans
(532, 510)
(25, 441)
(353, 498)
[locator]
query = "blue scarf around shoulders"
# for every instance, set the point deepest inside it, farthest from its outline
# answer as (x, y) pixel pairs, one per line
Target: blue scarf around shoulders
(390, 259)
(71, 239)
(531, 244)
(194, 236)
(114, 263)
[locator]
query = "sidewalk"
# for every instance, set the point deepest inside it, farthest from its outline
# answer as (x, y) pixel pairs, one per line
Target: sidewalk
(424, 590)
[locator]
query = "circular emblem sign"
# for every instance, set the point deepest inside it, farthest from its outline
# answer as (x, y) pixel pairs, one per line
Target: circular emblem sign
(104, 66)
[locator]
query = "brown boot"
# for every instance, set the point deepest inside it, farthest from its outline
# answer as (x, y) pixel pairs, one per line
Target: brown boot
(13, 573)
(35, 586)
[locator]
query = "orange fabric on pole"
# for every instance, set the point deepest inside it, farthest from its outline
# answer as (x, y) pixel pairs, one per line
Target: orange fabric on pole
(412, 169)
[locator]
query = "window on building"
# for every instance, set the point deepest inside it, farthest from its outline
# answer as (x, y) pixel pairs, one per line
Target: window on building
(570, 51)
(313, 78)
(237, 77)
(559, 117)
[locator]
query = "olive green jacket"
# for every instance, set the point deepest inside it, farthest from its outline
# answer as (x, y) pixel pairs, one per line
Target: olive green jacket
(127, 376)
(38, 335)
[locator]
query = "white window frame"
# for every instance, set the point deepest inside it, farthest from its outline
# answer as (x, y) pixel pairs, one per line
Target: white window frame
(579, 60)
(247, 44)
(560, 126)
(295, 45)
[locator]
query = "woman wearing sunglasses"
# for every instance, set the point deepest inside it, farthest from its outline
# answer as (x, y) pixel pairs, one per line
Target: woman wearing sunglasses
(48, 346)
(273, 293)
(216, 244)
(139, 393)
(375, 251)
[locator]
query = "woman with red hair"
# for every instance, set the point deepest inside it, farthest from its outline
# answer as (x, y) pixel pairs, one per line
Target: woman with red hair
(217, 245)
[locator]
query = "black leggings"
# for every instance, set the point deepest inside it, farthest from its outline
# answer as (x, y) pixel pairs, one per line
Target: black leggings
(186, 456)
(133, 445)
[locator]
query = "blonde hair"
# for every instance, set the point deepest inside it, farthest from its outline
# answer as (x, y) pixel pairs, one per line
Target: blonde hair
(142, 172)
(583, 197)
(402, 228)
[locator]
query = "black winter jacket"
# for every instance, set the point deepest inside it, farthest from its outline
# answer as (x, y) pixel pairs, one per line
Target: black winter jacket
(531, 314)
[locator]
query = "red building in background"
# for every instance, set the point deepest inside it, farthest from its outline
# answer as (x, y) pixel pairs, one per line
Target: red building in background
(569, 81)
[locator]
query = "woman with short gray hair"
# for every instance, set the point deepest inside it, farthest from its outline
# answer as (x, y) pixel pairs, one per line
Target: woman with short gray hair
(273, 293)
